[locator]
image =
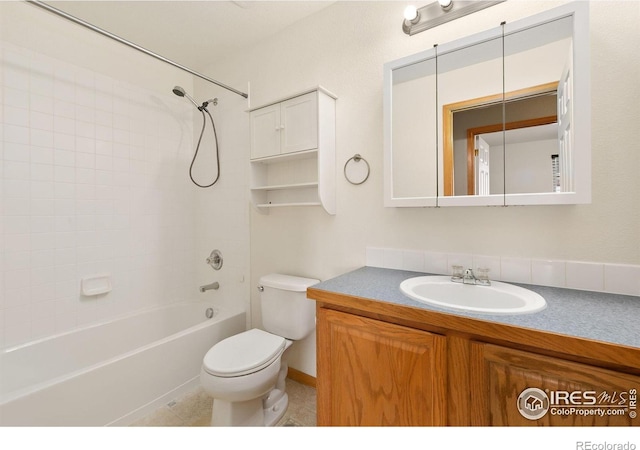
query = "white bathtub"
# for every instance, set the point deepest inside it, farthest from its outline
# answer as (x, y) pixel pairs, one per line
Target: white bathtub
(112, 373)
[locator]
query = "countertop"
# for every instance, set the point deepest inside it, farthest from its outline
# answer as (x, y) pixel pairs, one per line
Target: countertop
(598, 316)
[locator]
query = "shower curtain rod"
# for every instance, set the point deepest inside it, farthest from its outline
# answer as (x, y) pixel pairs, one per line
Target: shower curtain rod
(130, 44)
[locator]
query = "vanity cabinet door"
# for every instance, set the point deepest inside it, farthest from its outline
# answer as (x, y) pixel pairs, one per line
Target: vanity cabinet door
(550, 391)
(373, 373)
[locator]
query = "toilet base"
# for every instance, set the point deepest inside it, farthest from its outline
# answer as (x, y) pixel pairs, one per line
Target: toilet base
(237, 414)
(252, 413)
(273, 414)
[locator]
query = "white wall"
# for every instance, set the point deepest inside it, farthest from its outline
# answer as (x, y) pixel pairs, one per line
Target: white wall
(94, 158)
(344, 48)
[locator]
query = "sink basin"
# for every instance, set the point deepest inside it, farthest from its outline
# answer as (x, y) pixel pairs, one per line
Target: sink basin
(499, 298)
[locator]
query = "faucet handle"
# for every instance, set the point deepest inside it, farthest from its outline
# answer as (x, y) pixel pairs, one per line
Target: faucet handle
(482, 276)
(215, 259)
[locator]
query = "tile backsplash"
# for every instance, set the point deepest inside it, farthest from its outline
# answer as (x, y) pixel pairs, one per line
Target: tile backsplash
(588, 276)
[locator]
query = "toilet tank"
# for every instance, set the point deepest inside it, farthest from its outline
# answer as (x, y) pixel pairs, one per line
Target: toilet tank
(286, 310)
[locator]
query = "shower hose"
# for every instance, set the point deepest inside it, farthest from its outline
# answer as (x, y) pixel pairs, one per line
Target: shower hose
(203, 109)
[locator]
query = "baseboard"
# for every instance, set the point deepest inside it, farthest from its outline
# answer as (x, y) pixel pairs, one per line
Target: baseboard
(301, 377)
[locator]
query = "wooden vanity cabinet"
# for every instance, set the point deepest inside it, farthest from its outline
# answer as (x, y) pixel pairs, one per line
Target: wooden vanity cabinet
(374, 373)
(500, 374)
(385, 365)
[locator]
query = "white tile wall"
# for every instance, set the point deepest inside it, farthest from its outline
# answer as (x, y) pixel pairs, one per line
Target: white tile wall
(588, 276)
(585, 275)
(93, 179)
(435, 262)
(621, 278)
(517, 270)
(548, 273)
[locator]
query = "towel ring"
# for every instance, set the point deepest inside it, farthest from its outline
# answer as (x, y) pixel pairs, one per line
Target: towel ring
(356, 158)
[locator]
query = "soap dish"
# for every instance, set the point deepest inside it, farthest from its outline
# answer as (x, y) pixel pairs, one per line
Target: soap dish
(96, 285)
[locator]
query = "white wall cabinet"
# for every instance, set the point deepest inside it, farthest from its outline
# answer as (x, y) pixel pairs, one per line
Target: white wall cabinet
(293, 152)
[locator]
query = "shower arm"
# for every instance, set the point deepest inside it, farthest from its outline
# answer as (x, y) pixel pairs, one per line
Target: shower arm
(130, 44)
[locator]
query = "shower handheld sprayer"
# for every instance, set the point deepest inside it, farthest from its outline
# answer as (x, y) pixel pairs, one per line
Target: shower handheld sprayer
(180, 92)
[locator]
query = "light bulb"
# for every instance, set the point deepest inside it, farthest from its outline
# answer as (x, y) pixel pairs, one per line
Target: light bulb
(410, 13)
(446, 4)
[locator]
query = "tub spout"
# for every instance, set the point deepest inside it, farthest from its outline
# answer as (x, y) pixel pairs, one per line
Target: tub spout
(206, 287)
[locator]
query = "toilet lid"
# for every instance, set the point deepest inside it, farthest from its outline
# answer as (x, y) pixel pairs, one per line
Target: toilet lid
(243, 353)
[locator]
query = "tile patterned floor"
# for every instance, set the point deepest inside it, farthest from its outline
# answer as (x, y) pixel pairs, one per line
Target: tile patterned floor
(194, 409)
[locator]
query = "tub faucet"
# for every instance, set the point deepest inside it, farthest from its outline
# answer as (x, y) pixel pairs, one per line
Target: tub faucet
(206, 287)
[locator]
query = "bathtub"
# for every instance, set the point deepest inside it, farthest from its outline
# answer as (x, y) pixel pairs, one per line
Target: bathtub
(111, 373)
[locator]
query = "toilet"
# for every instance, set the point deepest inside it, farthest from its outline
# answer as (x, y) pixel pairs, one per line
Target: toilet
(245, 373)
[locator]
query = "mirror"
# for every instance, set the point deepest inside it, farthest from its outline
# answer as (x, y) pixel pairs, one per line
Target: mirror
(412, 131)
(538, 56)
(480, 135)
(507, 122)
(467, 105)
(414, 90)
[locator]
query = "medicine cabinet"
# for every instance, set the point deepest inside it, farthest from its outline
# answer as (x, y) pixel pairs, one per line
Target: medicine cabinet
(501, 117)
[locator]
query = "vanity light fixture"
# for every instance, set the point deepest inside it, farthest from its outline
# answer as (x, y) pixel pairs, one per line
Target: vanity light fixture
(439, 12)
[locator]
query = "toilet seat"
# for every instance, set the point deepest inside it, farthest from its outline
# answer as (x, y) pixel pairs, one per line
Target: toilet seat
(243, 354)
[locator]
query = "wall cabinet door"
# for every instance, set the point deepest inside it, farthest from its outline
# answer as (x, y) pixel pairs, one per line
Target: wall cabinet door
(373, 373)
(286, 127)
(265, 131)
(299, 123)
(558, 392)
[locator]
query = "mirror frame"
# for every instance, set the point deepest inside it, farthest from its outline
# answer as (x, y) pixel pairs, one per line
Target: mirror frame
(581, 116)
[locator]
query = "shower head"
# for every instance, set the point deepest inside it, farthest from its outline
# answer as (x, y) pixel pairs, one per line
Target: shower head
(180, 92)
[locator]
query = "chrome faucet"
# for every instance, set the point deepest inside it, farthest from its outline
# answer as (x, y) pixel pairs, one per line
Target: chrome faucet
(468, 277)
(206, 287)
